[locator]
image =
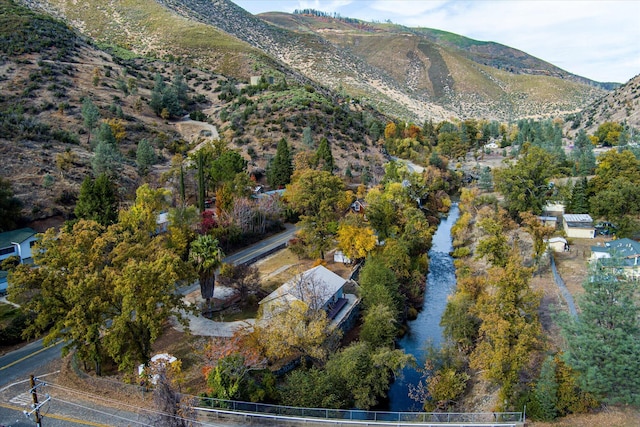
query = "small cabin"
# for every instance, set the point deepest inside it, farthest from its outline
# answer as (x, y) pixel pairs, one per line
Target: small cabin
(579, 226)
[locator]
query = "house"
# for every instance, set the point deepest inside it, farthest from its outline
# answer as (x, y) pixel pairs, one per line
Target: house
(359, 206)
(579, 226)
(626, 250)
(319, 288)
(162, 222)
(18, 243)
(558, 244)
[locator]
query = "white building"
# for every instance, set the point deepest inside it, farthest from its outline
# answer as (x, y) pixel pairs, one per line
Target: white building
(579, 226)
(17, 242)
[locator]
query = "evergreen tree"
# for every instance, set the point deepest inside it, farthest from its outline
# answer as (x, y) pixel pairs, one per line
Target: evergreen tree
(307, 137)
(280, 168)
(106, 159)
(546, 391)
(97, 200)
(324, 157)
(579, 202)
(485, 182)
(9, 207)
(145, 156)
(604, 341)
(90, 116)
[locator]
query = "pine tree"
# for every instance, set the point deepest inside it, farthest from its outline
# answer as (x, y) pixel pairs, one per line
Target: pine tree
(485, 182)
(324, 156)
(97, 201)
(145, 156)
(604, 341)
(280, 168)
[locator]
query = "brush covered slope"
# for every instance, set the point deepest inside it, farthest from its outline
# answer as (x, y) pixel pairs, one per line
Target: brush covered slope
(48, 72)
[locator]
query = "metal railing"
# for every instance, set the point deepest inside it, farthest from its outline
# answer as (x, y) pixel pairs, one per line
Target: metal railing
(488, 418)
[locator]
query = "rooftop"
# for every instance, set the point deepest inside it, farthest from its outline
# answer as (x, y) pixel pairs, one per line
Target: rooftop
(18, 236)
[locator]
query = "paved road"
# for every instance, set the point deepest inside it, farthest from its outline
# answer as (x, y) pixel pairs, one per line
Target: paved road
(27, 360)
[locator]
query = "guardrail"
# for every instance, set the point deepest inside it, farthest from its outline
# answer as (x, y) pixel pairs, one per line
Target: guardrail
(295, 415)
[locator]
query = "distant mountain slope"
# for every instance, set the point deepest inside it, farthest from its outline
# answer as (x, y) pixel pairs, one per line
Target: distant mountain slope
(621, 105)
(413, 74)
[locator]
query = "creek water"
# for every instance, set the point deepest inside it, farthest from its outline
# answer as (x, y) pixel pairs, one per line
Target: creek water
(441, 282)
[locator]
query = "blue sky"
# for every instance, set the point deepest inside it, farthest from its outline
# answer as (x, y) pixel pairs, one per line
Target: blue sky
(599, 40)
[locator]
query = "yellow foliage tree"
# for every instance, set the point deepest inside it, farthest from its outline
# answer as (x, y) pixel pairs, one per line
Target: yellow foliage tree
(117, 129)
(356, 242)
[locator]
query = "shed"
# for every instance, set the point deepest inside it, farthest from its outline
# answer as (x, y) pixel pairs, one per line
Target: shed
(579, 226)
(558, 244)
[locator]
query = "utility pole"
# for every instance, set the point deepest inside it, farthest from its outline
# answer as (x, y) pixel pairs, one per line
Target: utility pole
(34, 396)
(36, 405)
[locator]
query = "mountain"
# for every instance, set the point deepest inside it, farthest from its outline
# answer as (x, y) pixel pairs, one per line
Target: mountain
(621, 105)
(48, 70)
(413, 74)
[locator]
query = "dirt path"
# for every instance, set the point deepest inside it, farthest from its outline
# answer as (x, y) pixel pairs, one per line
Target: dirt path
(191, 130)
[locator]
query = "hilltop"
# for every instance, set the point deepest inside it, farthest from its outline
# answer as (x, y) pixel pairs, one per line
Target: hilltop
(413, 74)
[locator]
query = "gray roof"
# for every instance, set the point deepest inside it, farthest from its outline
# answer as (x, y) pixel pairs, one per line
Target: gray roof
(18, 236)
(624, 247)
(320, 281)
(582, 218)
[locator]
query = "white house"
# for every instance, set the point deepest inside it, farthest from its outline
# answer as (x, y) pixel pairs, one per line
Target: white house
(17, 242)
(162, 222)
(578, 226)
(319, 288)
(624, 252)
(558, 244)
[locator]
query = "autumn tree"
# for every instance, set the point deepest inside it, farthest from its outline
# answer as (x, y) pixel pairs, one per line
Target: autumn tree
(355, 241)
(320, 199)
(296, 329)
(494, 244)
(539, 233)
(608, 133)
(206, 256)
(510, 329)
(91, 279)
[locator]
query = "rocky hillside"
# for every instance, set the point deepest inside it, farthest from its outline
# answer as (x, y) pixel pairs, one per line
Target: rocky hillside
(47, 71)
(408, 73)
(621, 105)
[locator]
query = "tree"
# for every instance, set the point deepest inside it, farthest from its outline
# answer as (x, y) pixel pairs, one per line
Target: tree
(280, 168)
(145, 156)
(524, 184)
(494, 243)
(103, 291)
(206, 256)
(324, 157)
(172, 408)
(106, 158)
(356, 242)
(226, 166)
(579, 201)
(243, 278)
(319, 198)
(90, 116)
(604, 340)
(485, 182)
(365, 372)
(296, 329)
(539, 233)
(379, 285)
(510, 329)
(97, 200)
(379, 326)
(10, 206)
(608, 133)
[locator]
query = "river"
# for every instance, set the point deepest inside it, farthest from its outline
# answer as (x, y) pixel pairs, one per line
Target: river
(441, 282)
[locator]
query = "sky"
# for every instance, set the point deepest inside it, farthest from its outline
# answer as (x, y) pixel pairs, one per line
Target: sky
(599, 40)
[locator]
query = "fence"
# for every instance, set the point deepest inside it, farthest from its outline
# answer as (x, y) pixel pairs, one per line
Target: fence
(303, 415)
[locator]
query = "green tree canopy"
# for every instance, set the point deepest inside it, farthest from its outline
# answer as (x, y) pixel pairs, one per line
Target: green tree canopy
(604, 341)
(97, 200)
(10, 206)
(280, 168)
(206, 256)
